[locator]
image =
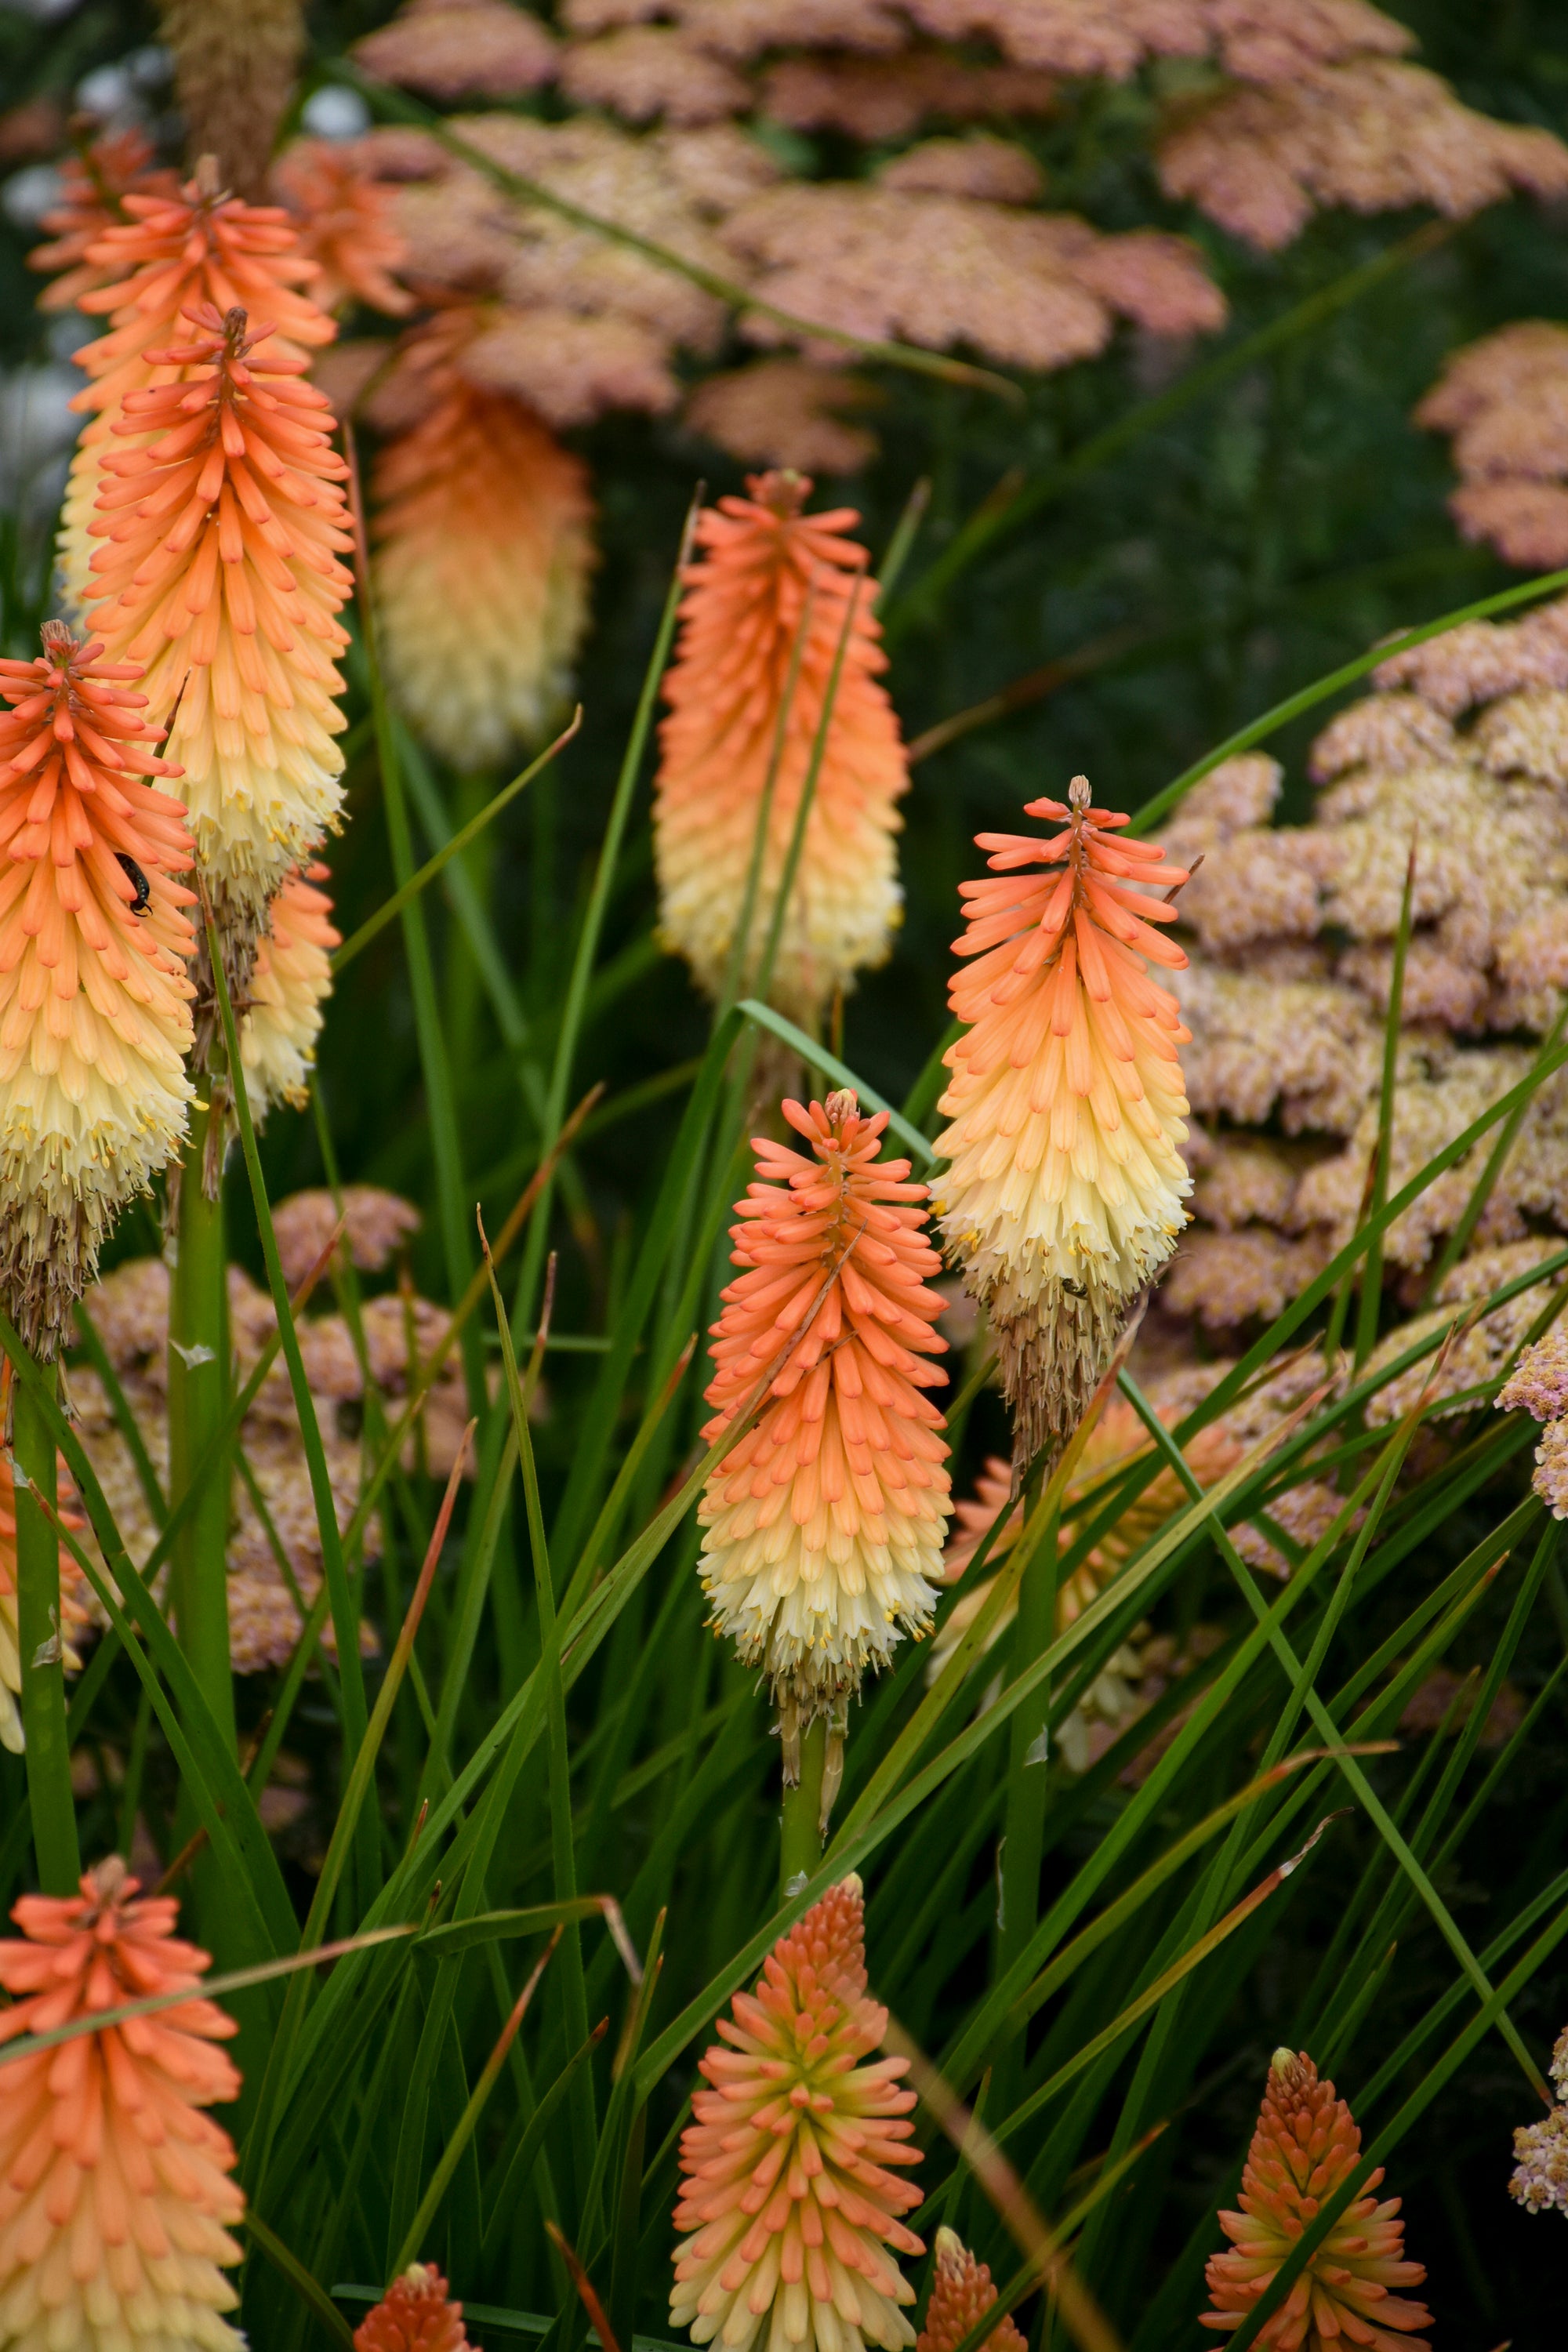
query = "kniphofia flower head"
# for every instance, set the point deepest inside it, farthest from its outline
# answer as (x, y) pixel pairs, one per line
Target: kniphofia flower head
(823, 1528)
(219, 571)
(1065, 1183)
(482, 555)
(414, 2315)
(344, 218)
(288, 986)
(94, 998)
(174, 248)
(93, 186)
(767, 606)
(1306, 2144)
(790, 2214)
(961, 2294)
(115, 2196)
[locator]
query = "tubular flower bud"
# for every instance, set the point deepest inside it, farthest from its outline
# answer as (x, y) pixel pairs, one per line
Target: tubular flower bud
(95, 1017)
(760, 630)
(786, 2199)
(292, 981)
(414, 2315)
(961, 2295)
(823, 1528)
(1064, 1188)
(115, 2195)
(483, 555)
(173, 249)
(219, 571)
(1306, 2143)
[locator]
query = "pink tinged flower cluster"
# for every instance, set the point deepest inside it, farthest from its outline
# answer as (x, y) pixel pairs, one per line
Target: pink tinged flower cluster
(790, 2213)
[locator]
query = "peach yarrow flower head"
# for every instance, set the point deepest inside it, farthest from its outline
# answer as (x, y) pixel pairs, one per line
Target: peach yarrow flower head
(95, 1017)
(1307, 2142)
(116, 2200)
(961, 2292)
(823, 1526)
(761, 626)
(1065, 1180)
(220, 571)
(174, 249)
(414, 2315)
(483, 551)
(789, 2212)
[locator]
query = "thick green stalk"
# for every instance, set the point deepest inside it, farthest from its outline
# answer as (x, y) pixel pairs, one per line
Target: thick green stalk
(198, 1403)
(38, 1641)
(801, 1842)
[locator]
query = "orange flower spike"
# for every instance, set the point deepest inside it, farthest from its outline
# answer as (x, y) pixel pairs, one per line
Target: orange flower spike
(788, 2201)
(483, 556)
(93, 186)
(414, 2315)
(822, 1528)
(1064, 1182)
(344, 220)
(174, 249)
(1306, 2143)
(961, 2294)
(291, 983)
(94, 997)
(220, 571)
(764, 560)
(115, 2196)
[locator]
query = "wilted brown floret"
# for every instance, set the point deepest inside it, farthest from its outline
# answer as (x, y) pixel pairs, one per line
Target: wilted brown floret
(997, 170)
(1371, 134)
(460, 48)
(1034, 291)
(647, 71)
(878, 99)
(787, 412)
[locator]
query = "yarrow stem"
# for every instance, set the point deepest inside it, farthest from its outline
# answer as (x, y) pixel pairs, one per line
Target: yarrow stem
(41, 1649)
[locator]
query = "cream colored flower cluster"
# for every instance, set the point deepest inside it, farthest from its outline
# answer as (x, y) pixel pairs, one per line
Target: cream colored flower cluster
(1505, 402)
(1463, 753)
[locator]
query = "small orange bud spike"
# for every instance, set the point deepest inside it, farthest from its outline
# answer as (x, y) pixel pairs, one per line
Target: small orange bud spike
(787, 2204)
(414, 2315)
(1306, 2144)
(961, 2294)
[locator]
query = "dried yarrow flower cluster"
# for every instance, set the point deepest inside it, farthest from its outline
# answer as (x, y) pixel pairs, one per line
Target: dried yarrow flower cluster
(1505, 402)
(1540, 2181)
(1463, 751)
(1539, 1386)
(274, 1510)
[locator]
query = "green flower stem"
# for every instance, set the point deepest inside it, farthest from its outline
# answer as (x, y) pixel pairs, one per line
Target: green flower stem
(38, 1641)
(801, 1845)
(198, 1403)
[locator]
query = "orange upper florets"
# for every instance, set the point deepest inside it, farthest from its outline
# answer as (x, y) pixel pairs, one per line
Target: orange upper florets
(93, 187)
(1306, 2144)
(414, 2315)
(961, 2294)
(345, 225)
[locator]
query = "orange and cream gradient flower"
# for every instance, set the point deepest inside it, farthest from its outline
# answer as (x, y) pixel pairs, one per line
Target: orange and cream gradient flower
(961, 2294)
(823, 1528)
(790, 2212)
(345, 219)
(95, 1018)
(219, 571)
(1065, 1180)
(765, 563)
(174, 249)
(291, 983)
(414, 2315)
(93, 187)
(115, 2196)
(483, 556)
(1307, 2142)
